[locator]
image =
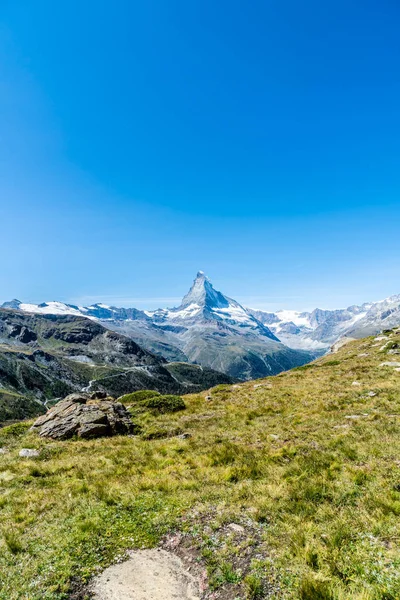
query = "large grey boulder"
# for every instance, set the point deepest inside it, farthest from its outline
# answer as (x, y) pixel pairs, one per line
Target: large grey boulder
(86, 417)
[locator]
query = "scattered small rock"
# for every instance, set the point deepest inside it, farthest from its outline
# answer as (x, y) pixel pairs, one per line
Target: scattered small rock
(390, 364)
(3, 451)
(236, 528)
(274, 436)
(28, 453)
(363, 354)
(184, 436)
(356, 383)
(356, 416)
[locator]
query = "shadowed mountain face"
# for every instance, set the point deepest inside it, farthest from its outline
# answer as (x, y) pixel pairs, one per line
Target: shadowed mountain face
(43, 357)
(208, 328)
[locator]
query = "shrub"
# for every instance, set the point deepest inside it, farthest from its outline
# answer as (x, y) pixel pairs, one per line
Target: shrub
(313, 589)
(254, 588)
(12, 542)
(15, 430)
(165, 404)
(224, 454)
(158, 433)
(222, 387)
(138, 396)
(331, 363)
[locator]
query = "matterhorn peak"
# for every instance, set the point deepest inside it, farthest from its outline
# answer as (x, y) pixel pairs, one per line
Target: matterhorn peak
(203, 294)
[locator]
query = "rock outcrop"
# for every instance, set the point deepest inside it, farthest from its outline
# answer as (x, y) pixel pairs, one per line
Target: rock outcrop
(85, 416)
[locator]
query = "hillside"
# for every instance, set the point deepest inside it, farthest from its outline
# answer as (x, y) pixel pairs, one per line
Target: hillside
(43, 357)
(284, 488)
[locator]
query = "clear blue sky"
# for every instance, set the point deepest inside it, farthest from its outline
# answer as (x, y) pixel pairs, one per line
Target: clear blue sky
(257, 141)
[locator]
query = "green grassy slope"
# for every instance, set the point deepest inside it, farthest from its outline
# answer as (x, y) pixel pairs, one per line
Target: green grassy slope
(307, 462)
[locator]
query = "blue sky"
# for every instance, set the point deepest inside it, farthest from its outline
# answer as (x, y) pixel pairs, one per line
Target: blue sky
(142, 141)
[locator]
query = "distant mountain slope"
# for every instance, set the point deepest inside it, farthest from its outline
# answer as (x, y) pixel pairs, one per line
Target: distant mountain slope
(320, 329)
(46, 356)
(208, 328)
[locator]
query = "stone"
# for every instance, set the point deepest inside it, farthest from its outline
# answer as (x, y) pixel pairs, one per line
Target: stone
(28, 453)
(80, 397)
(390, 364)
(94, 416)
(85, 417)
(98, 395)
(93, 430)
(236, 528)
(356, 383)
(59, 429)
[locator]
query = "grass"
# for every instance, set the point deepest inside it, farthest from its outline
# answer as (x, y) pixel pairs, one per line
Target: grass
(306, 462)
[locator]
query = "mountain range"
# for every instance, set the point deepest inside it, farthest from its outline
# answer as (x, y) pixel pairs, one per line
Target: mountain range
(217, 332)
(208, 329)
(320, 329)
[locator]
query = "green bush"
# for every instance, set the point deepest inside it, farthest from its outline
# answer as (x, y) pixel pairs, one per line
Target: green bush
(165, 404)
(313, 589)
(331, 363)
(138, 396)
(15, 430)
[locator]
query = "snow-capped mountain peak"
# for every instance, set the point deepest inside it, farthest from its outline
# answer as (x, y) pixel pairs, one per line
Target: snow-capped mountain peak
(202, 293)
(203, 303)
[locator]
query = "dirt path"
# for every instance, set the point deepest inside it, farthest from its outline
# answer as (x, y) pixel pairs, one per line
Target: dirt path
(148, 575)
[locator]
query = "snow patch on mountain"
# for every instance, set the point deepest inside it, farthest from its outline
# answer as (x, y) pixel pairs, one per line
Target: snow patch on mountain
(51, 308)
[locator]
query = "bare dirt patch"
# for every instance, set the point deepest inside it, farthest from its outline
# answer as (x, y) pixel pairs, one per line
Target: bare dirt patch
(153, 574)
